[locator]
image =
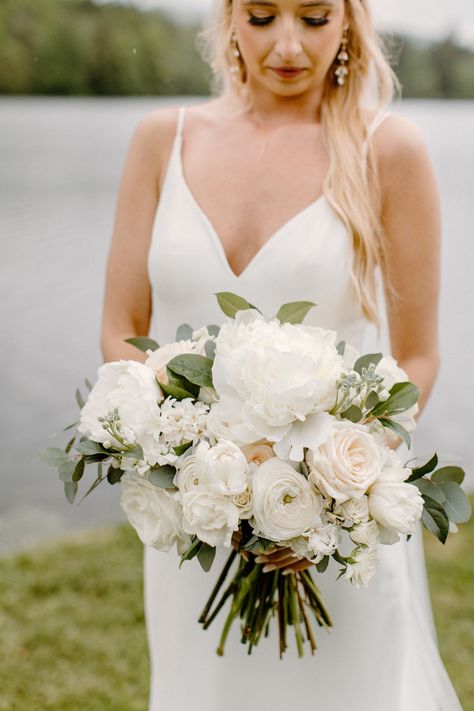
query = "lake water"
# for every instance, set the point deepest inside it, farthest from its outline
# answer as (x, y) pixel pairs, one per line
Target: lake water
(60, 163)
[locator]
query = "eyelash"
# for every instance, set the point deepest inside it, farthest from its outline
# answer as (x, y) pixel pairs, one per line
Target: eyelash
(263, 21)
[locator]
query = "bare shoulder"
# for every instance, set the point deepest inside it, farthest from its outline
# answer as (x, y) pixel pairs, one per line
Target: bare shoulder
(401, 150)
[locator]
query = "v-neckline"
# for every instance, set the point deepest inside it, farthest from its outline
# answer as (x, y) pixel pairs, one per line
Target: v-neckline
(215, 235)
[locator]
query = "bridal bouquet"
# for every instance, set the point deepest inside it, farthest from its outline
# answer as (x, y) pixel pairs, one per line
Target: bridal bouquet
(263, 434)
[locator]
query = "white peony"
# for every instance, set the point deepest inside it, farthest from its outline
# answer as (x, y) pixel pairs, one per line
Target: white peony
(363, 569)
(347, 463)
(396, 506)
(285, 504)
(156, 514)
(212, 518)
(277, 373)
(130, 388)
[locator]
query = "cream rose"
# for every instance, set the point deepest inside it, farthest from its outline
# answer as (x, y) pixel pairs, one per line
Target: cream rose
(363, 569)
(347, 463)
(285, 505)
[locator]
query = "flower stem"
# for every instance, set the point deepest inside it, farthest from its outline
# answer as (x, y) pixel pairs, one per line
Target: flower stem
(218, 585)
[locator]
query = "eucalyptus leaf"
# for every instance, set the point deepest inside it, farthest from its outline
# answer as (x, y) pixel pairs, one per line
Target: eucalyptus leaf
(372, 400)
(69, 445)
(196, 368)
(341, 347)
(455, 474)
(88, 384)
(213, 330)
(206, 555)
(337, 556)
(353, 413)
(418, 472)
(457, 505)
(398, 429)
(191, 552)
(294, 312)
(143, 343)
(70, 490)
(79, 399)
(100, 478)
(78, 472)
(53, 456)
(323, 564)
(434, 518)
(231, 303)
(184, 332)
(114, 474)
(428, 488)
(66, 470)
(88, 447)
(366, 360)
(135, 453)
(162, 476)
(69, 427)
(210, 349)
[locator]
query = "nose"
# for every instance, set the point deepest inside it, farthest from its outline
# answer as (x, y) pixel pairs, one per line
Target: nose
(288, 44)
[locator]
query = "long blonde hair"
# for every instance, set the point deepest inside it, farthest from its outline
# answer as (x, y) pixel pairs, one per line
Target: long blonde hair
(351, 184)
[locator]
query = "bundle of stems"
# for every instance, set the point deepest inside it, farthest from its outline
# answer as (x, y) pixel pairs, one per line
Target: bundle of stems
(257, 596)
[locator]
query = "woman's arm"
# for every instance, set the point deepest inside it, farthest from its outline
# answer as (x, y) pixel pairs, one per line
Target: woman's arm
(411, 219)
(127, 300)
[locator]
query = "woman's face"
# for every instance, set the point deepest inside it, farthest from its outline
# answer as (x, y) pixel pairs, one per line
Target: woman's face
(288, 46)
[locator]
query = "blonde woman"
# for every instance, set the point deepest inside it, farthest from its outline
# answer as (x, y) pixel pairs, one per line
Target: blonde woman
(292, 183)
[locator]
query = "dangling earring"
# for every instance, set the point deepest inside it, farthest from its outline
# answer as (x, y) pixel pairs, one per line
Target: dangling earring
(342, 70)
(235, 66)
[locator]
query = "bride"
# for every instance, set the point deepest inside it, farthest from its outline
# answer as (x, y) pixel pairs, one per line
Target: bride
(293, 183)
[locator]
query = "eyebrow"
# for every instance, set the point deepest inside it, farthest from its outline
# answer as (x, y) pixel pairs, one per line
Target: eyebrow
(267, 3)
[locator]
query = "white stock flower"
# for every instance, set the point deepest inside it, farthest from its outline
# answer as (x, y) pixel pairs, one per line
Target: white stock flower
(182, 421)
(129, 387)
(277, 373)
(285, 505)
(324, 541)
(347, 463)
(363, 569)
(155, 513)
(211, 517)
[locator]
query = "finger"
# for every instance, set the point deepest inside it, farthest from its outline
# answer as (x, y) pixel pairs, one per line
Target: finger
(298, 566)
(274, 557)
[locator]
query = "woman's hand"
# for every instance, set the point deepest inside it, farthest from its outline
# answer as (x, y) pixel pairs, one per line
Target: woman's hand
(275, 558)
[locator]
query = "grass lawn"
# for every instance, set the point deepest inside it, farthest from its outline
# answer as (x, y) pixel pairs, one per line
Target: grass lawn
(72, 627)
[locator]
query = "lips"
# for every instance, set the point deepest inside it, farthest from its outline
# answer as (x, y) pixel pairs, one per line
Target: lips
(287, 72)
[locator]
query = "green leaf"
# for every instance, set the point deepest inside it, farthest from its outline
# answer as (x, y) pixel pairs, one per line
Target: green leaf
(323, 564)
(353, 413)
(365, 360)
(88, 384)
(182, 448)
(79, 399)
(134, 453)
(196, 368)
(294, 312)
(402, 397)
(174, 391)
(88, 447)
(213, 330)
(418, 472)
(398, 429)
(191, 552)
(341, 347)
(455, 474)
(231, 303)
(53, 456)
(163, 476)
(435, 519)
(78, 470)
(69, 445)
(210, 349)
(457, 505)
(95, 458)
(69, 427)
(70, 489)
(66, 470)
(206, 555)
(143, 343)
(100, 478)
(372, 400)
(114, 474)
(177, 381)
(426, 487)
(337, 557)
(184, 332)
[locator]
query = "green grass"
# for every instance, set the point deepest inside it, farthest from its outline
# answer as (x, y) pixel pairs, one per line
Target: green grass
(72, 634)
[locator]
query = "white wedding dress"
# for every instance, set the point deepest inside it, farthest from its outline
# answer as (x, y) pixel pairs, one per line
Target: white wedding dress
(381, 654)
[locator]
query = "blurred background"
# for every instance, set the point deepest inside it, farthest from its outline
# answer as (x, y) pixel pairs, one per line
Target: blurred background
(75, 77)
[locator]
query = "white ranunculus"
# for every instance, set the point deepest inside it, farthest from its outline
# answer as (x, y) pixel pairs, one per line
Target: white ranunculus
(363, 569)
(278, 373)
(356, 510)
(366, 532)
(129, 387)
(347, 463)
(391, 372)
(396, 506)
(212, 518)
(285, 505)
(156, 514)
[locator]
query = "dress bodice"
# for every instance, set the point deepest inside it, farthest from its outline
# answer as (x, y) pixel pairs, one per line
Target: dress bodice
(309, 258)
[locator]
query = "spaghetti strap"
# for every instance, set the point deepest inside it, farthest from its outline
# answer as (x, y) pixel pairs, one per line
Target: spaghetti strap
(179, 128)
(378, 120)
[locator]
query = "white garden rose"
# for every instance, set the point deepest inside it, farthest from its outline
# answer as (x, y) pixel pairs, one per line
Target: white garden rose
(356, 510)
(155, 513)
(285, 505)
(363, 569)
(211, 517)
(278, 373)
(366, 532)
(130, 388)
(347, 463)
(396, 506)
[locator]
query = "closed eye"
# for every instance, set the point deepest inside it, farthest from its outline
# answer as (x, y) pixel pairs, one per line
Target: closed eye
(262, 21)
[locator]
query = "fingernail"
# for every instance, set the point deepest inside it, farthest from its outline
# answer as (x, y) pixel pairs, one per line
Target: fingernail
(287, 571)
(259, 559)
(268, 568)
